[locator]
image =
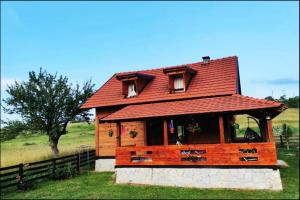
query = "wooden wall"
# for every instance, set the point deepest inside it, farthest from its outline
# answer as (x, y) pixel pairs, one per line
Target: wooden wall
(106, 145)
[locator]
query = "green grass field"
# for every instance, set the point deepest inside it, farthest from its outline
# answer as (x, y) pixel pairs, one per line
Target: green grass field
(102, 186)
(36, 147)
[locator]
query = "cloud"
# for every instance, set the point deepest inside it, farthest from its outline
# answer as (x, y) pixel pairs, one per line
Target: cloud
(280, 81)
(7, 81)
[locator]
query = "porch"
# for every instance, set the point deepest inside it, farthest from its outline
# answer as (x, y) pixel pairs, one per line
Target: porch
(198, 132)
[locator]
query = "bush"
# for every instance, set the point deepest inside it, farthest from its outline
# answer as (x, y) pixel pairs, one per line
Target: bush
(63, 172)
(24, 184)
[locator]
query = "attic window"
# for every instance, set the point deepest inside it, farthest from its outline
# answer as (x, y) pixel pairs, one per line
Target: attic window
(179, 78)
(131, 90)
(133, 83)
(178, 83)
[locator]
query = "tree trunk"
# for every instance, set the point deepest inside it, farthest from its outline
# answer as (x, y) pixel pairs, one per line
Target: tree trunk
(53, 145)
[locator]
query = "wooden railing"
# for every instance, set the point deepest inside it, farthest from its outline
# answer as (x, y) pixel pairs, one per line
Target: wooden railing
(254, 154)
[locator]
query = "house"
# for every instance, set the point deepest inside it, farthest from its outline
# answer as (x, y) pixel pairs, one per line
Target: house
(176, 126)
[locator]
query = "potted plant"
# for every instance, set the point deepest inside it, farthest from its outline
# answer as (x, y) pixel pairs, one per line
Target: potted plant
(133, 133)
(110, 133)
(194, 128)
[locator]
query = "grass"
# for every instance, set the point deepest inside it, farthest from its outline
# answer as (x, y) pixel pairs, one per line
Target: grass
(102, 186)
(29, 148)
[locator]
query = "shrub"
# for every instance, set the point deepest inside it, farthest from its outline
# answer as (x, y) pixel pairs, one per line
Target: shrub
(63, 172)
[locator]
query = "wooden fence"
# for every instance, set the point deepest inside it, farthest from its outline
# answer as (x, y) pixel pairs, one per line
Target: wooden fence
(292, 140)
(12, 175)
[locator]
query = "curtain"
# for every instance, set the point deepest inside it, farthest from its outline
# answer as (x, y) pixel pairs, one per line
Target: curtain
(131, 90)
(178, 83)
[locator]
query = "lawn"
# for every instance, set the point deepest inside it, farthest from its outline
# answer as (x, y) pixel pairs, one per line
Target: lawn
(36, 147)
(102, 185)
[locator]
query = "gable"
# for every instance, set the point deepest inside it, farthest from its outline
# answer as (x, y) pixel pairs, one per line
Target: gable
(219, 77)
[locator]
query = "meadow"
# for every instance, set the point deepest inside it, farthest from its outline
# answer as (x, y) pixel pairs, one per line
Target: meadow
(28, 148)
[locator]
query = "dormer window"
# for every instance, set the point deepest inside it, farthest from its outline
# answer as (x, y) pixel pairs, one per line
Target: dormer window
(131, 90)
(178, 83)
(179, 78)
(133, 83)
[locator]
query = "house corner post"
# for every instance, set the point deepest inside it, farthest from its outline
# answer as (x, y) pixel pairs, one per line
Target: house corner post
(97, 134)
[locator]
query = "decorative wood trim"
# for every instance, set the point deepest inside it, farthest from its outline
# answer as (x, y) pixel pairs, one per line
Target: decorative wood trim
(165, 132)
(221, 129)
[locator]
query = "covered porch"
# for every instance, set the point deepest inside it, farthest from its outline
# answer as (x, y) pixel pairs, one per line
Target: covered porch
(198, 132)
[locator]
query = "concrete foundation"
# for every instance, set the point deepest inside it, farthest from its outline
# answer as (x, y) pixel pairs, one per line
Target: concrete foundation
(105, 165)
(235, 178)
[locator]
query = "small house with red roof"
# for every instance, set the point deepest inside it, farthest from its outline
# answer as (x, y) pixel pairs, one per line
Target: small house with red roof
(176, 126)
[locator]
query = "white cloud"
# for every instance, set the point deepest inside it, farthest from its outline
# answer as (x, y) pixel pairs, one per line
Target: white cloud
(7, 81)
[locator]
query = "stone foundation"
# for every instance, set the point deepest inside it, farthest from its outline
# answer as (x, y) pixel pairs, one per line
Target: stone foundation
(105, 165)
(234, 178)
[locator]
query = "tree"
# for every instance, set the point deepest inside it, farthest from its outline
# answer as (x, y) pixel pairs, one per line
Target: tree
(270, 98)
(12, 129)
(47, 103)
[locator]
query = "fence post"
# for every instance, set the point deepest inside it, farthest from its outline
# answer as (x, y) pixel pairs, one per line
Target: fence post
(281, 141)
(53, 166)
(21, 172)
(78, 163)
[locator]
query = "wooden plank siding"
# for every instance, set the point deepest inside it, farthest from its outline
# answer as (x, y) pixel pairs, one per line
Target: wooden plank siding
(204, 154)
(107, 145)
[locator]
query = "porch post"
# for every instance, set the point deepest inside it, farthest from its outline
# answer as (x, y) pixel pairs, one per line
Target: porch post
(221, 129)
(165, 132)
(118, 137)
(269, 130)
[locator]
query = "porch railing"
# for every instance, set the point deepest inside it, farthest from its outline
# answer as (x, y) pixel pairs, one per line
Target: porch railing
(201, 154)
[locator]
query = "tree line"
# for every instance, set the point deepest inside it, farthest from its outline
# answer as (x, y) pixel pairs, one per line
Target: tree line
(292, 102)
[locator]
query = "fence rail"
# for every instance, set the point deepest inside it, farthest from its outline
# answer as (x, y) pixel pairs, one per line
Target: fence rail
(12, 175)
(294, 140)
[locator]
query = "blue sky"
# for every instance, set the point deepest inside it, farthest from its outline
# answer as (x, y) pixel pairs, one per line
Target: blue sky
(85, 40)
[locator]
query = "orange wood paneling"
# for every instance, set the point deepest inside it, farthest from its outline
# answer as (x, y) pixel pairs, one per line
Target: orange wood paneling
(212, 154)
(107, 145)
(139, 140)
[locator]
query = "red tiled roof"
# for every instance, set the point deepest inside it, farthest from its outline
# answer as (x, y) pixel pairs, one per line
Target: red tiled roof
(194, 106)
(219, 77)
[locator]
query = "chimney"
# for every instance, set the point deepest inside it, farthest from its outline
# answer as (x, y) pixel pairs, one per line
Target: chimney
(206, 59)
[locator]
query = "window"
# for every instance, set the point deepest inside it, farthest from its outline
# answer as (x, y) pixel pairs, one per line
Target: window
(178, 83)
(131, 90)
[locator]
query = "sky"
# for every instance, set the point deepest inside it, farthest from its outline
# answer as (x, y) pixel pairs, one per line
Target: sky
(84, 40)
